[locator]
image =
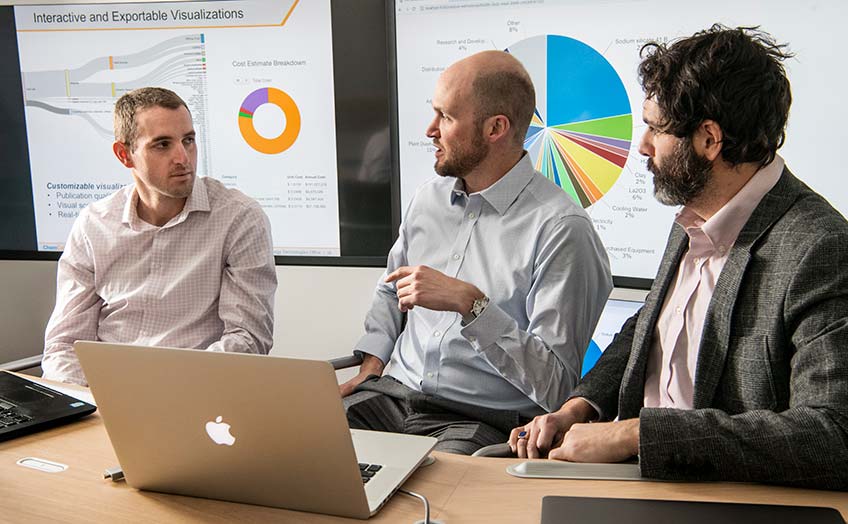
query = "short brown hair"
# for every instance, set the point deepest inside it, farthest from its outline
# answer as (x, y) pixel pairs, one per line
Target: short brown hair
(126, 108)
(508, 93)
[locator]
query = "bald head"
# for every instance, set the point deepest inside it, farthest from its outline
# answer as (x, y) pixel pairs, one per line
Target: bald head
(497, 84)
(487, 62)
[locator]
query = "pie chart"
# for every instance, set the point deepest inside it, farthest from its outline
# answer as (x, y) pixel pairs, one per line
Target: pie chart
(582, 127)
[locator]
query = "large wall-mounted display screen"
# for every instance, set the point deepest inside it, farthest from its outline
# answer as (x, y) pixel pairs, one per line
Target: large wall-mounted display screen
(583, 57)
(289, 99)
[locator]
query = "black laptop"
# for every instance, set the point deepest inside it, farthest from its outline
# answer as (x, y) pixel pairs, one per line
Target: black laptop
(27, 407)
(637, 511)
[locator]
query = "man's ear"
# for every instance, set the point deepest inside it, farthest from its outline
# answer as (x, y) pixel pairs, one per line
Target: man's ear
(708, 139)
(123, 153)
(495, 128)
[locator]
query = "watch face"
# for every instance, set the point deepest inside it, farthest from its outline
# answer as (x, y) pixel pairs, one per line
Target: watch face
(479, 305)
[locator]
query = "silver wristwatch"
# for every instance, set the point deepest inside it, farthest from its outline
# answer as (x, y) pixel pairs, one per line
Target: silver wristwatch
(477, 308)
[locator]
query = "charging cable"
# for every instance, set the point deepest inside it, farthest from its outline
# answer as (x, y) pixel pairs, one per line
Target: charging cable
(115, 474)
(423, 499)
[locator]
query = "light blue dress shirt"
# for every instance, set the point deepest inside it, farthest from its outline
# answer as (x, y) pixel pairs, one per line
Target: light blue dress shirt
(534, 252)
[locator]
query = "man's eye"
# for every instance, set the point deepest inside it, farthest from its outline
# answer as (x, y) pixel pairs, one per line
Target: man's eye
(188, 140)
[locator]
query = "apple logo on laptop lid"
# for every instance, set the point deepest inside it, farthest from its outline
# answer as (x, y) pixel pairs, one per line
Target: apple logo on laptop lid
(219, 432)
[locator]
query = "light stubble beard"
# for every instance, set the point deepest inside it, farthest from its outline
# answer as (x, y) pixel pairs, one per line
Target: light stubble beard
(465, 159)
(184, 191)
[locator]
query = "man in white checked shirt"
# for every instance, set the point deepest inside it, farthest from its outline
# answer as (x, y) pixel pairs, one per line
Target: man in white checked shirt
(170, 260)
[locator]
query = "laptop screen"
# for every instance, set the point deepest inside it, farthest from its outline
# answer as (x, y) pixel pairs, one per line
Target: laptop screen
(615, 314)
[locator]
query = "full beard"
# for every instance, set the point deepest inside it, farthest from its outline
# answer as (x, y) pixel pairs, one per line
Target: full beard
(683, 176)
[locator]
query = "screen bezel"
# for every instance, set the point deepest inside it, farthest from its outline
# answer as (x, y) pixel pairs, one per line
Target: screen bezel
(340, 32)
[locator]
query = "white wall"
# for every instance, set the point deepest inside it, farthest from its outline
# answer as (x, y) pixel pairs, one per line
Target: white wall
(319, 310)
(28, 294)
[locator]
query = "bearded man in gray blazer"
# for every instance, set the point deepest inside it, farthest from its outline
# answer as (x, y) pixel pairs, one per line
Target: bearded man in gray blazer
(736, 367)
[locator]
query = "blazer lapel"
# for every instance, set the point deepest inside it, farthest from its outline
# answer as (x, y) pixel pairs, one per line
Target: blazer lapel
(717, 324)
(632, 392)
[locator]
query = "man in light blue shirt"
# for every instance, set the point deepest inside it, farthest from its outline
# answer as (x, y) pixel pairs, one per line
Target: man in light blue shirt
(500, 273)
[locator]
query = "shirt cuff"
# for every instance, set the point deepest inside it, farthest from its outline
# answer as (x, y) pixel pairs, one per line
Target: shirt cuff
(486, 329)
(377, 345)
(597, 409)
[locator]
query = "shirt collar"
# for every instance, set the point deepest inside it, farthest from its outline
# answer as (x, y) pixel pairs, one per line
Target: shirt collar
(723, 228)
(502, 193)
(198, 200)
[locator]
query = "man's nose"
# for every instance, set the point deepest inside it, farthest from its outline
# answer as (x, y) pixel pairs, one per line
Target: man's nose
(646, 148)
(433, 128)
(180, 155)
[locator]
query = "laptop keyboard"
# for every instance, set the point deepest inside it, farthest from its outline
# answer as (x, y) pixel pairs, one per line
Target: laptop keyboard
(368, 470)
(10, 415)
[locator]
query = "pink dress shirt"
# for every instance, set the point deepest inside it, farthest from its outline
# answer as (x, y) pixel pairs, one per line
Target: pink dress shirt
(670, 380)
(204, 280)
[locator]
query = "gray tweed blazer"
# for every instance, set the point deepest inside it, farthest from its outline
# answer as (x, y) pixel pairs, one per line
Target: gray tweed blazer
(771, 383)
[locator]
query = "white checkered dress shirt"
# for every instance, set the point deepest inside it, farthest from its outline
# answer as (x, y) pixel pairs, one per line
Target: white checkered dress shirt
(206, 279)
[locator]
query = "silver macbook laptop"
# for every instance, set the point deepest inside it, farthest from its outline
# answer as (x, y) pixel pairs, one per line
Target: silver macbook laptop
(244, 428)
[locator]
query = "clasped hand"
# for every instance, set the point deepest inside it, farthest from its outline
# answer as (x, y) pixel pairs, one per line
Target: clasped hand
(560, 436)
(426, 287)
(419, 286)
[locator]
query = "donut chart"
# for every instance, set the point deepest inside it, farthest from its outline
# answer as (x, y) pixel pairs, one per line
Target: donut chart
(262, 96)
(581, 131)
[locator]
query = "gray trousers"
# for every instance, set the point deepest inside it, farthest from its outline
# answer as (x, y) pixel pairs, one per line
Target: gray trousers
(384, 404)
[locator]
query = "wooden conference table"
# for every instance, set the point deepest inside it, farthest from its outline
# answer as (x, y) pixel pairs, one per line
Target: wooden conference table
(460, 489)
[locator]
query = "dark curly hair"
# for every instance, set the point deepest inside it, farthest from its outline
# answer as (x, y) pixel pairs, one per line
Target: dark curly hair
(732, 76)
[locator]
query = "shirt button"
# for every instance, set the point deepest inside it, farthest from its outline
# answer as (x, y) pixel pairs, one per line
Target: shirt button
(455, 256)
(472, 339)
(677, 310)
(437, 334)
(470, 215)
(430, 375)
(696, 260)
